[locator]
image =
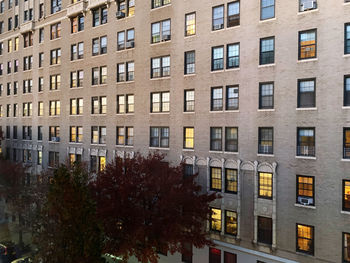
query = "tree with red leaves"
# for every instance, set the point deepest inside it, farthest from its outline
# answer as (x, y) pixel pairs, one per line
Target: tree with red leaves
(145, 206)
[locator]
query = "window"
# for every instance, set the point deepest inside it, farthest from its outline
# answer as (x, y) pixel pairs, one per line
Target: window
(16, 47)
(77, 51)
(230, 222)
(267, 50)
(160, 67)
(14, 133)
(15, 110)
(216, 99)
(190, 62)
(76, 79)
(232, 56)
(347, 38)
(27, 109)
(27, 40)
(41, 10)
(130, 39)
(265, 140)
(98, 134)
(232, 97)
(214, 255)
(188, 138)
(77, 24)
(159, 3)
(346, 195)
(346, 247)
(15, 87)
(265, 230)
(76, 134)
(9, 67)
(99, 75)
(306, 93)
(130, 103)
(306, 142)
(305, 239)
(1, 47)
(267, 9)
(346, 91)
(125, 106)
(16, 21)
(55, 31)
(27, 63)
(76, 106)
(305, 5)
(307, 44)
(230, 257)
(217, 61)
(266, 91)
(130, 70)
(27, 132)
(160, 102)
(125, 136)
(305, 190)
(55, 82)
(8, 110)
(40, 108)
(215, 220)
(99, 105)
(27, 86)
(40, 133)
(159, 137)
(56, 6)
(54, 159)
(218, 17)
(40, 84)
(55, 56)
(9, 85)
(41, 59)
(99, 46)
(1, 69)
(346, 143)
(125, 8)
(190, 24)
(9, 23)
(99, 16)
(231, 181)
(265, 185)
(215, 179)
(55, 108)
(189, 101)
(54, 133)
(215, 138)
(161, 31)
(231, 139)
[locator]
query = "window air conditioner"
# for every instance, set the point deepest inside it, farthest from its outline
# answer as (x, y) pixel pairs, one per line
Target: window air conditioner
(218, 26)
(55, 139)
(120, 14)
(308, 5)
(305, 200)
(130, 44)
(166, 37)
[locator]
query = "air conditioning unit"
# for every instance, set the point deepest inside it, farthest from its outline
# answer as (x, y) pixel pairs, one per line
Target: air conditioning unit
(130, 44)
(305, 200)
(308, 5)
(55, 139)
(120, 14)
(166, 37)
(218, 26)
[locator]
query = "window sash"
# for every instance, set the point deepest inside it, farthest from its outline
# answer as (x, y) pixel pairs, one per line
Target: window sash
(218, 17)
(267, 9)
(215, 139)
(265, 185)
(305, 239)
(232, 56)
(307, 44)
